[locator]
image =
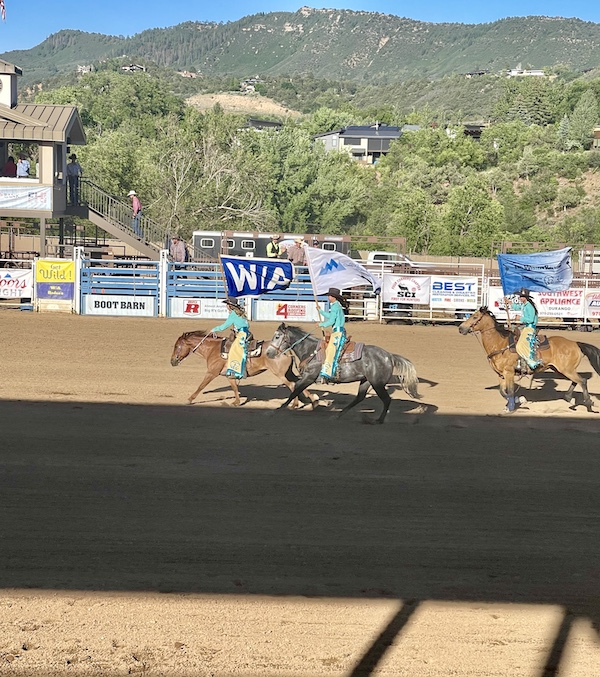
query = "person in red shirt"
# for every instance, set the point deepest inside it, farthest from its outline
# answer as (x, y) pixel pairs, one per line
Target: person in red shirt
(10, 168)
(136, 213)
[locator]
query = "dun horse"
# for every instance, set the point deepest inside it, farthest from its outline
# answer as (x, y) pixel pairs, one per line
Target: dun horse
(374, 368)
(563, 355)
(208, 346)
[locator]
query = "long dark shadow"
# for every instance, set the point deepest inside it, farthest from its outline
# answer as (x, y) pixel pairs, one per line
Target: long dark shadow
(558, 647)
(373, 656)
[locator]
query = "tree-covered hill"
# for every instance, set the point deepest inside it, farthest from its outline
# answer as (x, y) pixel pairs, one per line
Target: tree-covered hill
(338, 44)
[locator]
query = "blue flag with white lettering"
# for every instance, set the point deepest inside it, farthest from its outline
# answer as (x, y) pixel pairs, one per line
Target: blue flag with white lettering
(254, 277)
(544, 271)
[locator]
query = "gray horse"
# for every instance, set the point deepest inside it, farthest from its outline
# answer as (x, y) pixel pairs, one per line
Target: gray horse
(376, 367)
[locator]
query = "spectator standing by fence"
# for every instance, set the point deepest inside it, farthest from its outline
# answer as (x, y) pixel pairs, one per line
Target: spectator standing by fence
(136, 213)
(296, 253)
(178, 250)
(10, 168)
(74, 173)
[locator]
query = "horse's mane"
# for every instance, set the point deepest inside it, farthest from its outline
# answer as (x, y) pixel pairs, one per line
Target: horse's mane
(499, 328)
(200, 333)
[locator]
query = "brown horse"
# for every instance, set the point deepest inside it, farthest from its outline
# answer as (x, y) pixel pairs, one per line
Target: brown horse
(563, 356)
(208, 346)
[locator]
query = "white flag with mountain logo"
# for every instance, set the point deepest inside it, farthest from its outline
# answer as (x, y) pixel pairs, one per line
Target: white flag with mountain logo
(332, 269)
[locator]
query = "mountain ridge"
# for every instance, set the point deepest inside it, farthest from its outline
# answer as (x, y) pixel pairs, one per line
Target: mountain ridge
(338, 44)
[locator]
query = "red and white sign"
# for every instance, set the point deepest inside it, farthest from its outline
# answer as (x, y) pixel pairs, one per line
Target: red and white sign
(16, 283)
(411, 289)
(213, 309)
(285, 311)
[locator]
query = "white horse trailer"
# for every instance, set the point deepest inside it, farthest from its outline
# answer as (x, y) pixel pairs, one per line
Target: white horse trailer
(209, 244)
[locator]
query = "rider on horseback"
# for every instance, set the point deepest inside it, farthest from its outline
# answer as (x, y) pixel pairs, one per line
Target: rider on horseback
(238, 352)
(526, 345)
(335, 319)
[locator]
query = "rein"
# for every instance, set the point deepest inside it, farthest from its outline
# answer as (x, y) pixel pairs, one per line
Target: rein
(201, 342)
(290, 347)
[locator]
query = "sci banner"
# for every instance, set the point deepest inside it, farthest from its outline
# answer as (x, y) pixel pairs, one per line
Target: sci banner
(413, 289)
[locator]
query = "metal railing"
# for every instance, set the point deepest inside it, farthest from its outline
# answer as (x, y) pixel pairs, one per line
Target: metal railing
(119, 214)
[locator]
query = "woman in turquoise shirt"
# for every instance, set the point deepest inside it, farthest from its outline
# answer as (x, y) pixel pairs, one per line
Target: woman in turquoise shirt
(335, 319)
(529, 317)
(238, 353)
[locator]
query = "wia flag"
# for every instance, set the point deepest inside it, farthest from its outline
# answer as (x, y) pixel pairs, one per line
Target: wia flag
(253, 277)
(332, 269)
(544, 271)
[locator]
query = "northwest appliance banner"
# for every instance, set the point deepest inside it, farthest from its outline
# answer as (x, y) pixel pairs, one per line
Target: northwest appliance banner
(26, 197)
(414, 289)
(568, 303)
(453, 292)
(16, 283)
(254, 277)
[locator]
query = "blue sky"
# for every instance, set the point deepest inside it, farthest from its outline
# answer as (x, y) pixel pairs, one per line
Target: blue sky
(29, 22)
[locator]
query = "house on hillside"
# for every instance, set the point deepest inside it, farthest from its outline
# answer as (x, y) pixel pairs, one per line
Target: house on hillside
(525, 72)
(134, 68)
(596, 138)
(363, 143)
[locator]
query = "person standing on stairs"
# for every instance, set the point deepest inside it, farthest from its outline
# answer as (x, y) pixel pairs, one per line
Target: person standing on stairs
(136, 213)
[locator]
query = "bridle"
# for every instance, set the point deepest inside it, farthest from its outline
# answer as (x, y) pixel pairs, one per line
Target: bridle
(285, 335)
(193, 350)
(474, 330)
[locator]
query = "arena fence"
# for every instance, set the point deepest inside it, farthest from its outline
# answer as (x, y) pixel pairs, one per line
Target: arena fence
(196, 291)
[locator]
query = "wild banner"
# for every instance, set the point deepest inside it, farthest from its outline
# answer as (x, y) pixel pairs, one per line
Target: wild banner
(544, 271)
(253, 277)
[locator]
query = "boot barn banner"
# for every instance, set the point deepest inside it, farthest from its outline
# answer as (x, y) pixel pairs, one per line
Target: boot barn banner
(559, 304)
(16, 284)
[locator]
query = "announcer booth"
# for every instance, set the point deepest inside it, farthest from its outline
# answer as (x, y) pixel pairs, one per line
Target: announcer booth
(43, 134)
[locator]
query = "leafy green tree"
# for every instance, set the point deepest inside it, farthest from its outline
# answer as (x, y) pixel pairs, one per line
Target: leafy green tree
(471, 220)
(585, 116)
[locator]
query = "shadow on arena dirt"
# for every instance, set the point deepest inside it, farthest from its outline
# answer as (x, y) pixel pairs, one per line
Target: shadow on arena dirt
(230, 501)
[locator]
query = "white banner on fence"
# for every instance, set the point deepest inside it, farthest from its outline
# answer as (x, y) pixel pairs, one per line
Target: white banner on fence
(592, 304)
(569, 303)
(108, 304)
(413, 289)
(26, 197)
(285, 311)
(197, 309)
(453, 292)
(16, 283)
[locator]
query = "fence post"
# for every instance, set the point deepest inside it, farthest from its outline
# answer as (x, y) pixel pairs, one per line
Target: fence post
(77, 257)
(163, 266)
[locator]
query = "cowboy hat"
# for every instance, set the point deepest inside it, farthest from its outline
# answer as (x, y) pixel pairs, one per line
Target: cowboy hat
(525, 293)
(275, 237)
(230, 301)
(131, 192)
(336, 293)
(72, 156)
(298, 240)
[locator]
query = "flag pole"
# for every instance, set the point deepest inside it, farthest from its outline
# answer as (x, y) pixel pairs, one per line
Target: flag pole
(312, 284)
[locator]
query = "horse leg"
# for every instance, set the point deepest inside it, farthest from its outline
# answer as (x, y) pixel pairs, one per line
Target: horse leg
(509, 380)
(300, 386)
(290, 379)
(207, 379)
(577, 379)
(360, 396)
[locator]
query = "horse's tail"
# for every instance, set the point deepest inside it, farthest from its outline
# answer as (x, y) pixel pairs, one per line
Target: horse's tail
(592, 353)
(407, 374)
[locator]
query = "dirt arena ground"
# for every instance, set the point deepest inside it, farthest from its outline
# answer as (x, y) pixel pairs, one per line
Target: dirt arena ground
(141, 535)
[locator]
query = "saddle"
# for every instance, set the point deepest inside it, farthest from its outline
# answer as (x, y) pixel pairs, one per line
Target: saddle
(253, 349)
(541, 343)
(351, 351)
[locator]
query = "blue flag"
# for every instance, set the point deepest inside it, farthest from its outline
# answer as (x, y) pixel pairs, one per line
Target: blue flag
(545, 271)
(253, 277)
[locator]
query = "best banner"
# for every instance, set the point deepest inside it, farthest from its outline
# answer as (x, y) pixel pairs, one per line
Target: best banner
(545, 271)
(253, 277)
(332, 269)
